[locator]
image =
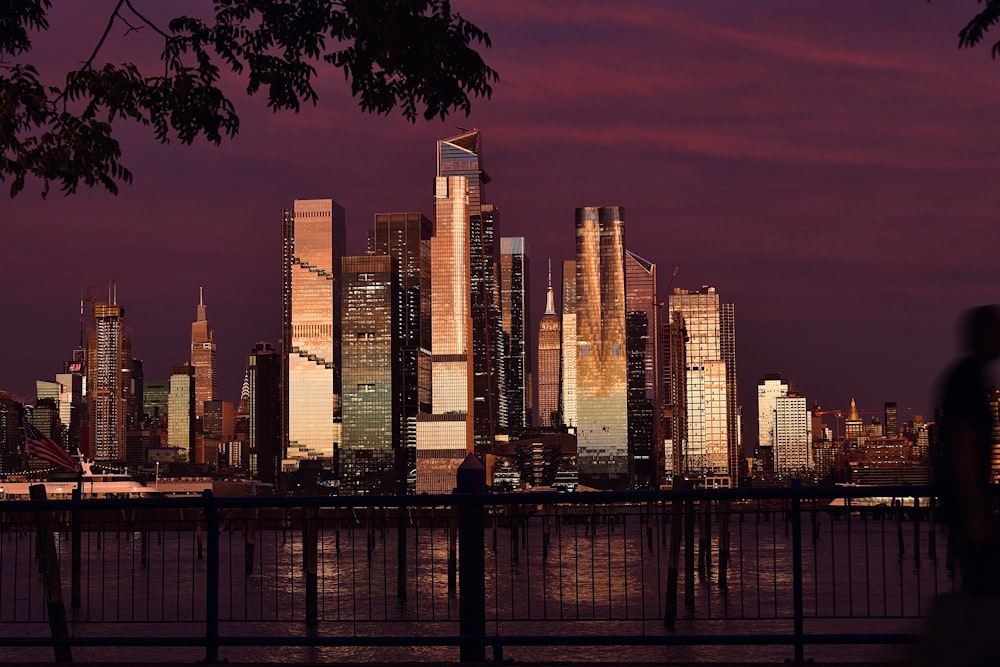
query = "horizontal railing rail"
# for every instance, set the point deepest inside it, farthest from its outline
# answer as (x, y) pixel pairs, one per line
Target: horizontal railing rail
(686, 567)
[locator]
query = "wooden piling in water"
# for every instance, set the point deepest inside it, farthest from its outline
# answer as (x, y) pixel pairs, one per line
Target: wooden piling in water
(401, 552)
(689, 512)
(676, 525)
(705, 541)
(249, 541)
(75, 598)
(310, 562)
(724, 544)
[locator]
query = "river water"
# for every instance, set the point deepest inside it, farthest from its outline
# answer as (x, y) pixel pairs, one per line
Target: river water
(547, 575)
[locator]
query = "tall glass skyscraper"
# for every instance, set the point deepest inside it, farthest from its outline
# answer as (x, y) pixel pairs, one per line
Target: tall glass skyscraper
(263, 406)
(406, 237)
(313, 240)
(641, 333)
(713, 443)
(514, 311)
(602, 383)
(371, 452)
(549, 351)
(203, 357)
(180, 412)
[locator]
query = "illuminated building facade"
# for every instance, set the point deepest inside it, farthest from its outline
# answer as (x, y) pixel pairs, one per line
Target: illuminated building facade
(371, 453)
(602, 382)
(180, 412)
(793, 435)
(549, 351)
(313, 239)
(674, 397)
(406, 237)
(514, 311)
(203, 357)
(107, 382)
(769, 388)
(567, 386)
(713, 444)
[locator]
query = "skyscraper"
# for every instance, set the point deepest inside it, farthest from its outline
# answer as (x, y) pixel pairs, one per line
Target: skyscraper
(313, 239)
(769, 388)
(263, 407)
(642, 332)
(674, 397)
(180, 412)
(713, 442)
(567, 388)
(891, 419)
(406, 237)
(371, 452)
(203, 357)
(549, 351)
(602, 382)
(793, 435)
(514, 311)
(446, 436)
(107, 400)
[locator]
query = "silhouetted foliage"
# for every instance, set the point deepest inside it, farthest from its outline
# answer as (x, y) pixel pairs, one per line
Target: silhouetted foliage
(975, 30)
(414, 54)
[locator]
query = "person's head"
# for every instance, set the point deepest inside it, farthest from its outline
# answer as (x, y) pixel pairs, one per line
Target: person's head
(981, 331)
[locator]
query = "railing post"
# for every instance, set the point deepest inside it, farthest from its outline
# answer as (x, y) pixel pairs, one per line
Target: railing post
(211, 579)
(49, 562)
(76, 528)
(471, 478)
(796, 519)
(310, 562)
(401, 520)
(689, 553)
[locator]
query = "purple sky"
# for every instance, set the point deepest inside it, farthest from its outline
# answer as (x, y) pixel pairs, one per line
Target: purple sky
(830, 167)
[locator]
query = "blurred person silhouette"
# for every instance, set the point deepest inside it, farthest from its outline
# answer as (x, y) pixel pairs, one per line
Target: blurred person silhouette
(962, 473)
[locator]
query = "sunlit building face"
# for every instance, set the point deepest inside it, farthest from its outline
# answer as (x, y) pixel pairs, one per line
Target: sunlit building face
(314, 239)
(602, 409)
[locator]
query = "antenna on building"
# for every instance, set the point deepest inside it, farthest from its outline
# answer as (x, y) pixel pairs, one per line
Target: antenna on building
(550, 272)
(201, 296)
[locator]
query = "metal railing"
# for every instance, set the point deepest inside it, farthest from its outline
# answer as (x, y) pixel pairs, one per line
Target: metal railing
(750, 567)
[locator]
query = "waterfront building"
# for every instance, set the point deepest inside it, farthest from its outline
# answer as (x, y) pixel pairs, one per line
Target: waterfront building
(602, 383)
(567, 384)
(549, 351)
(406, 237)
(641, 333)
(107, 381)
(769, 388)
(313, 240)
(262, 418)
(792, 435)
(180, 412)
(713, 445)
(372, 456)
(203, 357)
(514, 312)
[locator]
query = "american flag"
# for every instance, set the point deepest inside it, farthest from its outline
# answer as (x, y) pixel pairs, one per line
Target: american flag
(43, 447)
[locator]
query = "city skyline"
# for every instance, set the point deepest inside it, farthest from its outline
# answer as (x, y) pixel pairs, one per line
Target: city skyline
(812, 164)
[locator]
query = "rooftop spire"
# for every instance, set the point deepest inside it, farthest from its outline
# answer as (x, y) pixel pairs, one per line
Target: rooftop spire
(853, 415)
(550, 303)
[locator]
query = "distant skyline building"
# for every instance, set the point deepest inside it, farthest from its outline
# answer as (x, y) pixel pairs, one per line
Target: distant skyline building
(567, 387)
(180, 412)
(263, 414)
(515, 311)
(602, 382)
(793, 435)
(372, 455)
(406, 237)
(313, 240)
(642, 334)
(673, 378)
(769, 389)
(712, 445)
(203, 357)
(549, 353)
(891, 419)
(108, 372)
